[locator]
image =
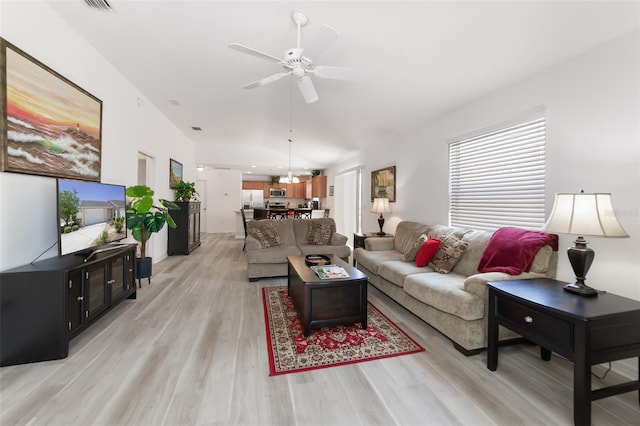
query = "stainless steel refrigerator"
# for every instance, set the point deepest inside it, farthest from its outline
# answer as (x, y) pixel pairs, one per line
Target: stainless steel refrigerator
(252, 198)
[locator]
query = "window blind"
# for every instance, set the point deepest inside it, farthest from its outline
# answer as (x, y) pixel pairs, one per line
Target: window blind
(498, 178)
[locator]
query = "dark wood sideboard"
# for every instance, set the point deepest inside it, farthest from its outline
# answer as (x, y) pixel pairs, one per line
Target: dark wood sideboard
(185, 237)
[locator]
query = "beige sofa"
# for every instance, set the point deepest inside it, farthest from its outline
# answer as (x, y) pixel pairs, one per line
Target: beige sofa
(454, 303)
(293, 234)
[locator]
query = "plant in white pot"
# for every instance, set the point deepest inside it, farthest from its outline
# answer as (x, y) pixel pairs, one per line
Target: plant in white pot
(144, 218)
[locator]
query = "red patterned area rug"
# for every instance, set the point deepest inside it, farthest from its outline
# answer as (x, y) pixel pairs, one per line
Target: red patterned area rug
(291, 352)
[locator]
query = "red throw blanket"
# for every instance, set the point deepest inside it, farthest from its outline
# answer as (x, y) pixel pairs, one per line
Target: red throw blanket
(512, 250)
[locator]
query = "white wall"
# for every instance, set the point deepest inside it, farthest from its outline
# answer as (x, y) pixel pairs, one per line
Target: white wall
(129, 124)
(592, 105)
(224, 199)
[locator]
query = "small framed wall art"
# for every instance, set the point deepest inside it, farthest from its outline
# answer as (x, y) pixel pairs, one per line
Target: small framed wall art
(175, 172)
(48, 125)
(383, 184)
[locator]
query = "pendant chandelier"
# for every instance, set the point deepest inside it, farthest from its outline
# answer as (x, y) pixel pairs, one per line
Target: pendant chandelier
(289, 178)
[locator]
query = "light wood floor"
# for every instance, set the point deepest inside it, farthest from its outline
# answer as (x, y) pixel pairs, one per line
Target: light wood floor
(191, 351)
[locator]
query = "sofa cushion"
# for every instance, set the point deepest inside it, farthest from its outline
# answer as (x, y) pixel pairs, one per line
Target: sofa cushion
(301, 228)
(436, 230)
(468, 263)
(513, 250)
(541, 261)
(448, 254)
(342, 251)
(410, 255)
(406, 234)
(320, 233)
(395, 271)
(266, 234)
(284, 228)
(427, 251)
(446, 293)
(276, 254)
(372, 259)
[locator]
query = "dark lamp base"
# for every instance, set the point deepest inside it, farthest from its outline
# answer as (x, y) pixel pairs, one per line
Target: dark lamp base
(582, 290)
(381, 233)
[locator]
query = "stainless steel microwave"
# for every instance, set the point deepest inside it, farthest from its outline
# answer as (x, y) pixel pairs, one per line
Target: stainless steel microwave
(277, 192)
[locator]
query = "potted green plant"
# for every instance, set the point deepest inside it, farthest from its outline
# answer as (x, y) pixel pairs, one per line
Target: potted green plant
(185, 191)
(144, 218)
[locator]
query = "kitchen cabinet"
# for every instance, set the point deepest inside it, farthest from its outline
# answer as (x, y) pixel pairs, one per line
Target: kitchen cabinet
(254, 184)
(296, 190)
(257, 184)
(319, 186)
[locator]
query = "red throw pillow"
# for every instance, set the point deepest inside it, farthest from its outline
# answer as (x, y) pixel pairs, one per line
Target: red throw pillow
(426, 252)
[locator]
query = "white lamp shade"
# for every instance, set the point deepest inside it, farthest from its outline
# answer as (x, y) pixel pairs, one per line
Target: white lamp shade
(380, 205)
(584, 214)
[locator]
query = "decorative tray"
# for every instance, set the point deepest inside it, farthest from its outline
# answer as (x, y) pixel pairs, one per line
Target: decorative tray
(317, 260)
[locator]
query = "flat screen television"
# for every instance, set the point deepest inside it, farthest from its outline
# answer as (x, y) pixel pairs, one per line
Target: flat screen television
(90, 215)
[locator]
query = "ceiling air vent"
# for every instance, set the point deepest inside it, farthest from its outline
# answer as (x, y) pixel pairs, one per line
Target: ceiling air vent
(99, 4)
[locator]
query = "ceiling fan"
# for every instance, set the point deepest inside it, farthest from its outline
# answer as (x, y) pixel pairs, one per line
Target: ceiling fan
(298, 61)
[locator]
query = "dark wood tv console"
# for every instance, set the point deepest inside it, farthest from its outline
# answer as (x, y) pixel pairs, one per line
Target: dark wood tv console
(45, 304)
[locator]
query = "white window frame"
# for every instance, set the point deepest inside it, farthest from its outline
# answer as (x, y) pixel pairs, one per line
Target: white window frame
(497, 178)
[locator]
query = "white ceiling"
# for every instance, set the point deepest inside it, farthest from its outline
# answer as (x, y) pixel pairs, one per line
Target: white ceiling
(419, 59)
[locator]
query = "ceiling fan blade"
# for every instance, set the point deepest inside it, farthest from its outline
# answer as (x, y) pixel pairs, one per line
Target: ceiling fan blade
(267, 80)
(336, 73)
(254, 52)
(308, 91)
(320, 42)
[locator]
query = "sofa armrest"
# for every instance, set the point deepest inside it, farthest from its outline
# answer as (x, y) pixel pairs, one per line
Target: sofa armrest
(379, 243)
(477, 284)
(339, 239)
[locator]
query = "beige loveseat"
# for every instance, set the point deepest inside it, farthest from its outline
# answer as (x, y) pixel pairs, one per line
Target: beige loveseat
(455, 303)
(293, 238)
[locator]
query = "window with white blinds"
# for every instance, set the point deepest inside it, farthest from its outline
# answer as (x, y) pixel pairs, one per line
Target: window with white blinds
(498, 179)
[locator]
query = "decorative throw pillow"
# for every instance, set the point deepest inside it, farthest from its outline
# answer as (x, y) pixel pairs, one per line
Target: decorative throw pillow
(448, 254)
(320, 233)
(267, 234)
(410, 255)
(427, 251)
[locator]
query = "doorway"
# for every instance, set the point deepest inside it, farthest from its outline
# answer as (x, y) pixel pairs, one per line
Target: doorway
(347, 203)
(201, 188)
(146, 167)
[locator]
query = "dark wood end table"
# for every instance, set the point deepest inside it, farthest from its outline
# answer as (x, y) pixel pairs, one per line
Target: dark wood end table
(325, 303)
(584, 330)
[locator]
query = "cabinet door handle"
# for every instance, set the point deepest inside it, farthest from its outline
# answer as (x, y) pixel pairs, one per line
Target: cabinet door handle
(80, 299)
(528, 319)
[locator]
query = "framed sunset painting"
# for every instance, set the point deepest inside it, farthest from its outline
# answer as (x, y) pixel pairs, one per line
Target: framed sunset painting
(49, 126)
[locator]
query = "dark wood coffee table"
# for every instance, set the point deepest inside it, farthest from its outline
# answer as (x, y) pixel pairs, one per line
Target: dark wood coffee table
(325, 303)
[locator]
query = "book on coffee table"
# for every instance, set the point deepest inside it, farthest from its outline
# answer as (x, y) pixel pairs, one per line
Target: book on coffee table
(327, 272)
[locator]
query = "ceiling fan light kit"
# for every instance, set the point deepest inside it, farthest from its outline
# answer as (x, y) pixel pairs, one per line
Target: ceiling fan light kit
(297, 61)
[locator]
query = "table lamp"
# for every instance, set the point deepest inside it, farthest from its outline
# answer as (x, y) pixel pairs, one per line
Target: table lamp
(380, 205)
(583, 214)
